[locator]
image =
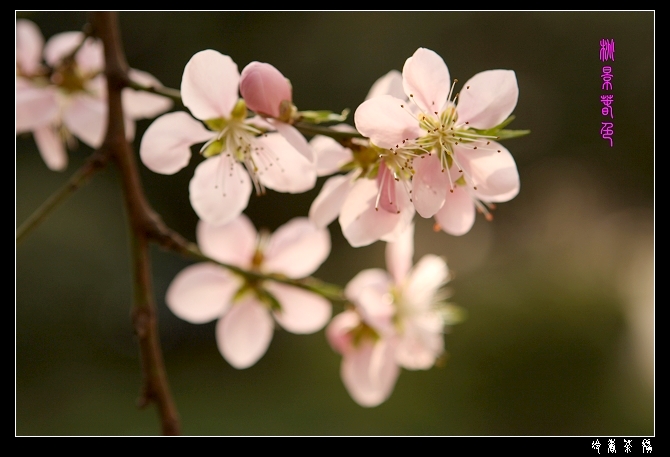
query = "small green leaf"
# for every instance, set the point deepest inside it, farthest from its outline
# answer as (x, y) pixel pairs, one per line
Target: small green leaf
(318, 117)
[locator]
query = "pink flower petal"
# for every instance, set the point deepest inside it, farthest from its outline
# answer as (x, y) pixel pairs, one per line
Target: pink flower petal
(166, 144)
(263, 88)
(338, 331)
(297, 248)
(302, 311)
(399, 255)
(429, 185)
(282, 167)
(243, 335)
(35, 106)
(386, 122)
(327, 204)
(389, 84)
(361, 224)
(51, 147)
(29, 44)
(427, 276)
(201, 293)
(494, 173)
(219, 190)
(233, 243)
(86, 118)
(491, 98)
(330, 155)
(138, 104)
(457, 215)
(426, 77)
(209, 85)
(369, 373)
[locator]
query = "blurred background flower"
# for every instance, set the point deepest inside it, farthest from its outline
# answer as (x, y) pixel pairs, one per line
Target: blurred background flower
(558, 288)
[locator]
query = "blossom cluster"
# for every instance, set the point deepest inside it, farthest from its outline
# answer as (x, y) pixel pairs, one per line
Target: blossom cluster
(61, 92)
(417, 147)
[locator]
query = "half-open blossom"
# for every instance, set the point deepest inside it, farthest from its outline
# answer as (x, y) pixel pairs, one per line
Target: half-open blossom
(68, 98)
(398, 321)
(241, 152)
(439, 136)
(373, 200)
(205, 291)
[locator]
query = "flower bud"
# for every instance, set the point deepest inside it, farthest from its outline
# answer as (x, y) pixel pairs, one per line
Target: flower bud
(264, 88)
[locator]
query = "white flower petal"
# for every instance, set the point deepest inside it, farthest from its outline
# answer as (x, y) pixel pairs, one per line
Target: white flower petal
(209, 85)
(219, 190)
(51, 147)
(386, 122)
(233, 243)
(243, 335)
(361, 223)
(281, 166)
(372, 277)
(369, 373)
(427, 276)
(139, 104)
(494, 173)
(457, 215)
(35, 106)
(86, 118)
(389, 84)
(330, 155)
(295, 139)
(166, 144)
(426, 77)
(327, 204)
(491, 98)
(297, 248)
(29, 44)
(302, 311)
(422, 342)
(429, 185)
(201, 293)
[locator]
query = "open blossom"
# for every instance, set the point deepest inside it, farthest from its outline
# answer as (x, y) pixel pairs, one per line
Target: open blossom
(203, 292)
(373, 200)
(398, 321)
(240, 151)
(438, 135)
(70, 99)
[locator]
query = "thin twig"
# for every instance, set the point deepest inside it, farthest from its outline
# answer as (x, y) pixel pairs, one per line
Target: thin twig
(95, 162)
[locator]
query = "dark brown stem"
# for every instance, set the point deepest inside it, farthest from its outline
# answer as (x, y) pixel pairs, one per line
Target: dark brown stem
(145, 225)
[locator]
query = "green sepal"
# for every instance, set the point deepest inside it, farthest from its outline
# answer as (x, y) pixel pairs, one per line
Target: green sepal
(269, 299)
(498, 130)
(318, 117)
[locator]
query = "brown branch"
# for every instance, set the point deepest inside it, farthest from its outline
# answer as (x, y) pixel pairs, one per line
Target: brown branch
(145, 225)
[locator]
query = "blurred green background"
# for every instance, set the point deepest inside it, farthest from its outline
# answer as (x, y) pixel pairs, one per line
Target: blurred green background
(559, 288)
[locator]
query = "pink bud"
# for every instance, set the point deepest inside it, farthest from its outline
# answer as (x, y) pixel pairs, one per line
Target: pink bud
(263, 88)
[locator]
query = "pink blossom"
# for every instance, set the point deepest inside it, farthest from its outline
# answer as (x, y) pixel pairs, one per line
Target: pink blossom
(241, 152)
(205, 291)
(373, 200)
(438, 140)
(71, 100)
(398, 321)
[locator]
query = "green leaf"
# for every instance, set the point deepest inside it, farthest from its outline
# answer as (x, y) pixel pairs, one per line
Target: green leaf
(318, 117)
